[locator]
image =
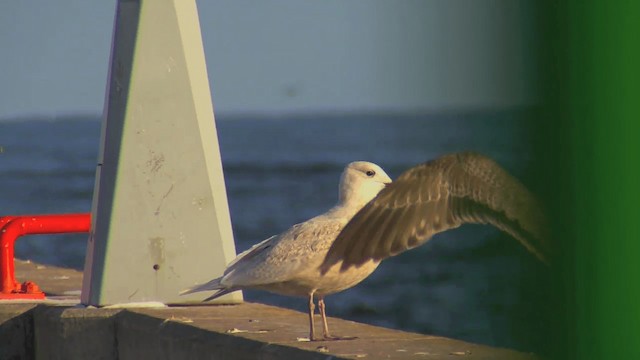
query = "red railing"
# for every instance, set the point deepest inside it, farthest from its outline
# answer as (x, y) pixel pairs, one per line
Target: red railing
(12, 227)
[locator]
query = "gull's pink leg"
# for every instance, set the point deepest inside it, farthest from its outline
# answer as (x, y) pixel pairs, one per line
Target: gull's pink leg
(325, 331)
(312, 308)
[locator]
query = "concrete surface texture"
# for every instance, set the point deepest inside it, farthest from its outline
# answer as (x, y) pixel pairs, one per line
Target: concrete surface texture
(59, 328)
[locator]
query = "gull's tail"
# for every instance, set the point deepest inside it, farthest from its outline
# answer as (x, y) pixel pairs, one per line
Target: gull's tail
(211, 285)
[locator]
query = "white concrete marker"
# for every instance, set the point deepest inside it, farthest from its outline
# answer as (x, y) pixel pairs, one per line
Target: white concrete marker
(160, 214)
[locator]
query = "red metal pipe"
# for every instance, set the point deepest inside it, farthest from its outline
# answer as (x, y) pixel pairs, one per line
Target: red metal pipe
(12, 227)
(5, 219)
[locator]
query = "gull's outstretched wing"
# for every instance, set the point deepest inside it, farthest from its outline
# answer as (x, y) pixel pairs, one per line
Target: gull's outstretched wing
(437, 196)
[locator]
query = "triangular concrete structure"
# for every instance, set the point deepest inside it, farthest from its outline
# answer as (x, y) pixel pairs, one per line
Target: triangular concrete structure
(160, 213)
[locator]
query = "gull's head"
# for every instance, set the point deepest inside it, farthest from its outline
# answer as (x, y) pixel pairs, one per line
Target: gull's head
(361, 181)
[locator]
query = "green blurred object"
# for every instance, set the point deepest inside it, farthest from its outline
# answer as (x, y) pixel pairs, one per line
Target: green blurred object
(589, 145)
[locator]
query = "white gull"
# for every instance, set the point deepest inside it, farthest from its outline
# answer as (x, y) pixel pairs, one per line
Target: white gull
(337, 250)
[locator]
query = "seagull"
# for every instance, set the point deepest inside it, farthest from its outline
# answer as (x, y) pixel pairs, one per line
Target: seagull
(289, 263)
(374, 219)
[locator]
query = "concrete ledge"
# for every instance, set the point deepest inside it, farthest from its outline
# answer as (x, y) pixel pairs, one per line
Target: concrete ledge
(270, 332)
(245, 331)
(56, 329)
(16, 331)
(75, 333)
(162, 337)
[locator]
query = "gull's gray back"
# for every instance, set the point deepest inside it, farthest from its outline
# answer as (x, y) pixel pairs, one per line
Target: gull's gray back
(287, 256)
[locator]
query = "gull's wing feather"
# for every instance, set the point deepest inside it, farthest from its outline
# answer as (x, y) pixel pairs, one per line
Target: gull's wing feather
(436, 196)
(283, 256)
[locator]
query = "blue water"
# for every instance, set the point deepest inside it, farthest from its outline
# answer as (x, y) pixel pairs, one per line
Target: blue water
(472, 283)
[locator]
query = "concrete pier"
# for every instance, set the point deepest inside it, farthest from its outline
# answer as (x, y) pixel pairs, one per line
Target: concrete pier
(60, 328)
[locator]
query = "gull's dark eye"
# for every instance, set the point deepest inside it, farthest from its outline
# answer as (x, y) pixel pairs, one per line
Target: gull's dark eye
(370, 173)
